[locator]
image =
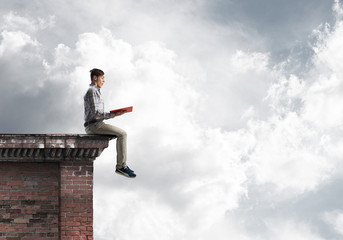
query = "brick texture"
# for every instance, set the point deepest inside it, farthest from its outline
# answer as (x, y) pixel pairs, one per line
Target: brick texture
(29, 204)
(76, 196)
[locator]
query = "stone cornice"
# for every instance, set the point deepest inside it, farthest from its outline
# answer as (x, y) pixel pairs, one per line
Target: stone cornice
(51, 147)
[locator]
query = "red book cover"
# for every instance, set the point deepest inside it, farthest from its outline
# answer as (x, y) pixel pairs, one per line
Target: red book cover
(126, 109)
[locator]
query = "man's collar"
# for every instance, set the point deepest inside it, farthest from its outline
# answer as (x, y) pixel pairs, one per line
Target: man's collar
(92, 85)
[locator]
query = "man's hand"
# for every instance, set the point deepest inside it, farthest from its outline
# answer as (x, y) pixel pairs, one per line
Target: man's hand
(118, 113)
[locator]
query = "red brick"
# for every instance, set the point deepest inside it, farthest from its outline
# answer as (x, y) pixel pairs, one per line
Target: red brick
(73, 233)
(18, 220)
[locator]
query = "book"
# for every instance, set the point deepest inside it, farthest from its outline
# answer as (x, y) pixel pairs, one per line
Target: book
(126, 109)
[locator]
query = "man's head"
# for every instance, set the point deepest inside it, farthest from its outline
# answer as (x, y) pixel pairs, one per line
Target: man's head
(97, 77)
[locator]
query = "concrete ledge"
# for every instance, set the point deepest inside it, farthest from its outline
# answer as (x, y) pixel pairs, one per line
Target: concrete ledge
(51, 147)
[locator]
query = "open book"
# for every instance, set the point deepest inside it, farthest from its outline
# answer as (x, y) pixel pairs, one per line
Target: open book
(126, 109)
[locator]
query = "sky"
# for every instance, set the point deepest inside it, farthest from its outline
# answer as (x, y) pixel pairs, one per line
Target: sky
(237, 127)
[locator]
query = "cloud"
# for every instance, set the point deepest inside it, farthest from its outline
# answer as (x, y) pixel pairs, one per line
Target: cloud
(244, 62)
(183, 156)
(323, 98)
(291, 230)
(14, 21)
(284, 150)
(288, 154)
(230, 147)
(162, 128)
(335, 219)
(14, 42)
(31, 90)
(291, 146)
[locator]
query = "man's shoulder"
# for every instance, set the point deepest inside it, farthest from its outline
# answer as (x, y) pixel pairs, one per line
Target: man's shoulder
(91, 89)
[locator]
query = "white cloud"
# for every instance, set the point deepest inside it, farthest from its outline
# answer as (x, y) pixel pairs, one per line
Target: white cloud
(285, 95)
(243, 62)
(14, 42)
(292, 146)
(288, 154)
(192, 160)
(22, 52)
(288, 229)
(323, 99)
(191, 170)
(126, 214)
(187, 160)
(335, 219)
(324, 103)
(14, 21)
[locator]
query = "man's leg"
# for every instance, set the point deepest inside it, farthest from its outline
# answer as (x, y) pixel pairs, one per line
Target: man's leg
(107, 129)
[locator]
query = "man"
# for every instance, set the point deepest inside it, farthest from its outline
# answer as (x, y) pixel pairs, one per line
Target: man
(94, 116)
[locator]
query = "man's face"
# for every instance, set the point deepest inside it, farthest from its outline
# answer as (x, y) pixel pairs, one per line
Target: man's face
(99, 81)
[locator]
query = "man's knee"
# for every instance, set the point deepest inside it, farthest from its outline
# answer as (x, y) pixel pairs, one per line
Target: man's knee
(123, 134)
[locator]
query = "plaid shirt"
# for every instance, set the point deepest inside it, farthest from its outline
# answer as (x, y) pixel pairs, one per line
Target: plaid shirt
(94, 105)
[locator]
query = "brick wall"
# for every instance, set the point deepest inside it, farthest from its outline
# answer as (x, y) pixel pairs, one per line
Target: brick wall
(29, 204)
(76, 196)
(46, 186)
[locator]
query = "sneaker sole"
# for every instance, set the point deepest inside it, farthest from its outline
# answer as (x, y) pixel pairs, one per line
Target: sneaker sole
(125, 175)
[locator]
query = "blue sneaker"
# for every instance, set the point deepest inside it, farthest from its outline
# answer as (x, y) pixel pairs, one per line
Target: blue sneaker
(130, 169)
(126, 171)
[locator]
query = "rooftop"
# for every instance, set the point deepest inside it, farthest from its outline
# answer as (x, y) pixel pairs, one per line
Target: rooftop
(51, 147)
